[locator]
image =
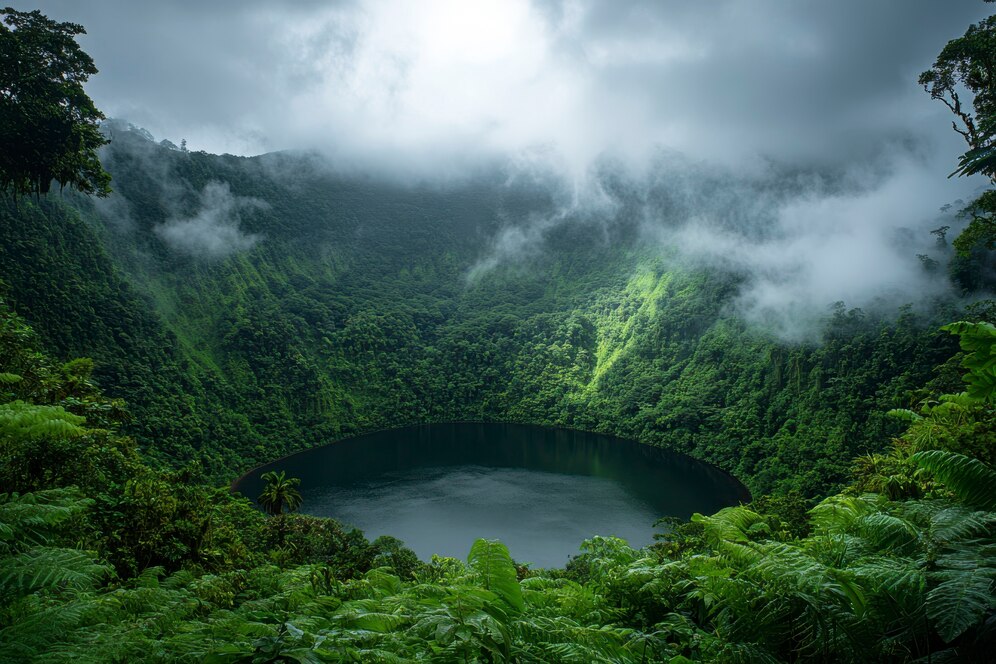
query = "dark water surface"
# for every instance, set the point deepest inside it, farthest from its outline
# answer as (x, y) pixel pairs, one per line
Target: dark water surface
(541, 491)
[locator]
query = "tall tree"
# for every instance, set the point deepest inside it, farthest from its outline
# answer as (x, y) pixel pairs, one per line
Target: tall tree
(968, 65)
(49, 127)
(280, 490)
(969, 62)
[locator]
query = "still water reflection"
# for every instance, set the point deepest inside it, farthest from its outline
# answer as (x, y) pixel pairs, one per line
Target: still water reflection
(542, 491)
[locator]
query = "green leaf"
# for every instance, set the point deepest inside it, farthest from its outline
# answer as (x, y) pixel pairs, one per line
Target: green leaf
(959, 602)
(729, 524)
(491, 559)
(48, 568)
(978, 341)
(887, 532)
(971, 480)
(9, 378)
(904, 414)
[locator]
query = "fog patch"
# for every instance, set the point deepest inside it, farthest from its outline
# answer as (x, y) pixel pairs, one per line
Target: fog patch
(581, 199)
(796, 242)
(116, 210)
(214, 231)
(868, 247)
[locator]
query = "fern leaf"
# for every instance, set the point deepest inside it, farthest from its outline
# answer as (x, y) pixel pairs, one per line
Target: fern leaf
(24, 421)
(48, 568)
(971, 480)
(887, 532)
(958, 523)
(33, 518)
(904, 415)
(838, 513)
(34, 634)
(959, 602)
(729, 524)
(491, 559)
(978, 340)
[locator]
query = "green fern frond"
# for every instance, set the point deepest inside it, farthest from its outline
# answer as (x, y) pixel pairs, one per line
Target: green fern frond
(729, 524)
(978, 341)
(959, 602)
(9, 378)
(24, 421)
(904, 415)
(33, 519)
(491, 559)
(887, 532)
(149, 578)
(36, 632)
(958, 523)
(48, 568)
(840, 512)
(896, 577)
(970, 479)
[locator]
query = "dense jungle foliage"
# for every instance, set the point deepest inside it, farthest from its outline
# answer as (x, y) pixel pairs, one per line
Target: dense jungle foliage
(356, 306)
(217, 312)
(105, 559)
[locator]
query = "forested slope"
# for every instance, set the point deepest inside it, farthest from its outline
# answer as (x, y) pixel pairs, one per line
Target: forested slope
(104, 559)
(218, 311)
(290, 305)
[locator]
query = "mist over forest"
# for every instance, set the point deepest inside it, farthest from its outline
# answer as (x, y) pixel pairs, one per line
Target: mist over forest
(731, 265)
(822, 161)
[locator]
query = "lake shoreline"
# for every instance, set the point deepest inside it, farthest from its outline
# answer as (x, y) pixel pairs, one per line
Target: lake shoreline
(744, 494)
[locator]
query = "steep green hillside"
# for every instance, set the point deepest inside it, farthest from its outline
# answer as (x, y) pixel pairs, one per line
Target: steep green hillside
(104, 559)
(217, 312)
(292, 305)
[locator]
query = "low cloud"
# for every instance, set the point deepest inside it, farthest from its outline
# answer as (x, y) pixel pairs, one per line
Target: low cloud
(797, 241)
(213, 232)
(864, 240)
(572, 200)
(809, 146)
(435, 86)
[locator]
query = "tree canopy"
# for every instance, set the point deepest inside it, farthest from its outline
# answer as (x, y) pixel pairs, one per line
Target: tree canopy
(969, 62)
(968, 65)
(49, 126)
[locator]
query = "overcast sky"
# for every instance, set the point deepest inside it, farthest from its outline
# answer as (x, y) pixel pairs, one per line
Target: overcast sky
(432, 87)
(444, 80)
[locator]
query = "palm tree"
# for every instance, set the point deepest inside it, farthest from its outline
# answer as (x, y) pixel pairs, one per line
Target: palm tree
(279, 491)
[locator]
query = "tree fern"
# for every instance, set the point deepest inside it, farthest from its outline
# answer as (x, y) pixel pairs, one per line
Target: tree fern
(971, 480)
(840, 512)
(24, 421)
(35, 518)
(562, 639)
(278, 491)
(949, 523)
(44, 567)
(887, 532)
(904, 415)
(369, 615)
(728, 525)
(38, 628)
